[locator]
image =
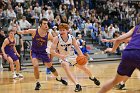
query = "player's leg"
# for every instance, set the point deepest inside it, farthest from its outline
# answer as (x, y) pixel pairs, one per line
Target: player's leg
(55, 73)
(35, 64)
(36, 69)
(36, 72)
(66, 67)
(47, 69)
(121, 84)
(111, 83)
(11, 62)
(18, 69)
(88, 72)
(16, 61)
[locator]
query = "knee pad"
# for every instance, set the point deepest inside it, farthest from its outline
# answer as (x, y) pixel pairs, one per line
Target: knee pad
(52, 69)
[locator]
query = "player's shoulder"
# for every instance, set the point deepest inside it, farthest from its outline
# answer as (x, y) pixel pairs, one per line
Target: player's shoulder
(6, 40)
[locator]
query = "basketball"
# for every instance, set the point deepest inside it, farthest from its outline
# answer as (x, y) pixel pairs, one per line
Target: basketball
(81, 60)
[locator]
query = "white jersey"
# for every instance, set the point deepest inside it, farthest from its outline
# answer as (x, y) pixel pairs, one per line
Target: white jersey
(65, 48)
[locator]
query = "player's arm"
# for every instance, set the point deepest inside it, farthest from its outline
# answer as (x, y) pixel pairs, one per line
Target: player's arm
(54, 47)
(50, 37)
(29, 31)
(15, 50)
(6, 42)
(121, 38)
(77, 47)
(21, 42)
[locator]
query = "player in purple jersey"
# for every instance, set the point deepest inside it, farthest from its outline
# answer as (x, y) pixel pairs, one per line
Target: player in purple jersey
(40, 37)
(130, 58)
(10, 53)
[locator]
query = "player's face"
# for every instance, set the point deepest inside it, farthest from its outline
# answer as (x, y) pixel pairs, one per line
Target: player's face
(44, 25)
(63, 31)
(11, 34)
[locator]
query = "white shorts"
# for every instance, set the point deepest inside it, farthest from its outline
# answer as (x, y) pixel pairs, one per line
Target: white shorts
(70, 59)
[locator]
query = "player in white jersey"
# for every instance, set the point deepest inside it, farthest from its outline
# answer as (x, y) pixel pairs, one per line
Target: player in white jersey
(64, 42)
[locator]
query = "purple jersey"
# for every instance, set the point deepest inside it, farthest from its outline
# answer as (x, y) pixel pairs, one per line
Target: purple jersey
(39, 44)
(9, 50)
(10, 47)
(135, 41)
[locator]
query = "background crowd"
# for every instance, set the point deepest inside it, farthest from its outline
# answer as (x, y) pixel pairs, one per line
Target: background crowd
(98, 19)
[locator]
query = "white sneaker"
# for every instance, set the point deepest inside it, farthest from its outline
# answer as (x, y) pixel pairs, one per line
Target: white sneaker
(19, 75)
(15, 76)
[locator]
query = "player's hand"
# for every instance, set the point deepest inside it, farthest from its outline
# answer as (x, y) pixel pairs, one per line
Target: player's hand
(110, 50)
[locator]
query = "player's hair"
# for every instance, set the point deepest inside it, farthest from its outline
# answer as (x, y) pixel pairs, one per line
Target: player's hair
(43, 19)
(10, 31)
(63, 26)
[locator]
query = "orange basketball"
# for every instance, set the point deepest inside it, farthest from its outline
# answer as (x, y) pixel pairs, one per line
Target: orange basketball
(81, 60)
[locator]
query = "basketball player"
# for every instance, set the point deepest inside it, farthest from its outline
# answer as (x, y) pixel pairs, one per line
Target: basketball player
(64, 43)
(38, 50)
(121, 84)
(130, 58)
(10, 54)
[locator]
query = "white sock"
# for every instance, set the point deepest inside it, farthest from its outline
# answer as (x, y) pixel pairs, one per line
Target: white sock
(14, 73)
(121, 82)
(58, 77)
(92, 77)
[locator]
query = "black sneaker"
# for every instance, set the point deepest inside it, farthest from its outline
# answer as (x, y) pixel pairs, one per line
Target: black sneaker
(62, 81)
(78, 88)
(97, 82)
(37, 87)
(120, 86)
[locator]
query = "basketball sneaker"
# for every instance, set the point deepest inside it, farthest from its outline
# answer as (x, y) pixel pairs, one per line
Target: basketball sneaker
(120, 86)
(19, 75)
(62, 81)
(97, 82)
(15, 76)
(38, 85)
(78, 88)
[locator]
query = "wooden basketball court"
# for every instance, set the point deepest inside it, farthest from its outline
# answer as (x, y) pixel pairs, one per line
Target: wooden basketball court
(102, 70)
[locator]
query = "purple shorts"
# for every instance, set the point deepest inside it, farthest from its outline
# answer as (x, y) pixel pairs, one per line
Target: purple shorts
(130, 61)
(42, 56)
(13, 56)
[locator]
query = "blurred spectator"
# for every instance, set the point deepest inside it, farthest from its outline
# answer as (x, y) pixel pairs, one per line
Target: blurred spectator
(106, 21)
(3, 19)
(10, 14)
(82, 45)
(37, 9)
(24, 24)
(49, 14)
(88, 28)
